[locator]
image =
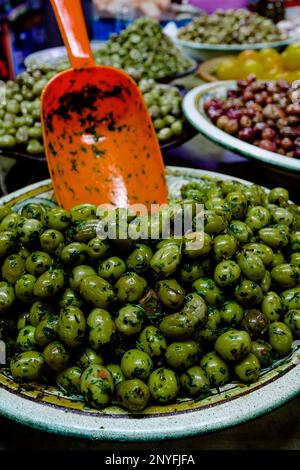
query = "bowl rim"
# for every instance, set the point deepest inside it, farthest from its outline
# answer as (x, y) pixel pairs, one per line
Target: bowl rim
(232, 47)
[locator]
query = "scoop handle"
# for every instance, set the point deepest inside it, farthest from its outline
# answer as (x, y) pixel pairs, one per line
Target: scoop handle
(69, 16)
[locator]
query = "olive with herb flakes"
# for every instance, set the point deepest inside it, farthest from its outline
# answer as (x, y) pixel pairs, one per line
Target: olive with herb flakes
(133, 394)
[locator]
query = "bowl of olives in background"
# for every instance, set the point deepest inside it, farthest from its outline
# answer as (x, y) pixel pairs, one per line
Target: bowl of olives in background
(152, 339)
(228, 32)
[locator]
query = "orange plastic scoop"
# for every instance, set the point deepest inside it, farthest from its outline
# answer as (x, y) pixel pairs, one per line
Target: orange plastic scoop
(100, 142)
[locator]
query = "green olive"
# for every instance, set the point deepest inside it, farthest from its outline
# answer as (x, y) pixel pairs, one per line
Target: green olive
(33, 211)
(272, 306)
(233, 345)
(56, 356)
(181, 355)
(83, 212)
(291, 298)
(152, 342)
(89, 356)
(130, 319)
(26, 339)
(280, 215)
(30, 230)
(69, 379)
(163, 384)
(278, 196)
(10, 222)
(278, 258)
(257, 217)
(238, 204)
(251, 266)
(214, 221)
(195, 310)
(38, 311)
(97, 385)
(295, 241)
(46, 329)
(292, 320)
(7, 297)
(73, 254)
(248, 293)
(130, 287)
(197, 244)
(70, 297)
(112, 268)
(139, 259)
(165, 261)
(133, 394)
(38, 262)
(247, 369)
(24, 288)
(280, 337)
(263, 351)
(97, 248)
(170, 293)
(57, 219)
(49, 284)
(23, 320)
(12, 268)
(207, 289)
(78, 274)
(52, 241)
(96, 291)
(224, 247)
(101, 327)
(191, 270)
(136, 364)
(241, 231)
(294, 258)
(231, 313)
(286, 275)
(7, 243)
(71, 326)
(227, 273)
(215, 368)
(273, 237)
(28, 365)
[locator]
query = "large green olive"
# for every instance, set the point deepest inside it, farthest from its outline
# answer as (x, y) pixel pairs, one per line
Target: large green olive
(71, 326)
(78, 274)
(292, 320)
(231, 313)
(89, 356)
(49, 284)
(195, 310)
(83, 212)
(96, 291)
(7, 297)
(38, 311)
(139, 259)
(207, 289)
(214, 221)
(165, 261)
(272, 306)
(224, 247)
(195, 381)
(241, 231)
(257, 217)
(68, 380)
(152, 342)
(233, 345)
(181, 355)
(136, 364)
(238, 204)
(97, 385)
(286, 275)
(30, 230)
(170, 293)
(26, 339)
(197, 244)
(130, 319)
(97, 248)
(130, 287)
(251, 266)
(101, 327)
(248, 293)
(163, 384)
(56, 356)
(24, 288)
(28, 365)
(227, 273)
(38, 262)
(280, 337)
(264, 252)
(73, 254)
(116, 373)
(215, 368)
(52, 241)
(46, 329)
(7, 242)
(291, 298)
(191, 270)
(12, 268)
(112, 268)
(273, 237)
(247, 369)
(133, 394)
(57, 219)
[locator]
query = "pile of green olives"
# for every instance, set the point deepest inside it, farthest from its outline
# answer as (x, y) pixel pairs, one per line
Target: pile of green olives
(20, 123)
(238, 26)
(143, 51)
(133, 322)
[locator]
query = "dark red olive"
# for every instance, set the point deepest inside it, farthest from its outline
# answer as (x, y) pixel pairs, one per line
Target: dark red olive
(268, 145)
(287, 144)
(234, 113)
(247, 134)
(268, 134)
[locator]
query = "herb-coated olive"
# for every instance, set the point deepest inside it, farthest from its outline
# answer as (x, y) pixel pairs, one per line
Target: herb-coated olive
(30, 230)
(57, 219)
(89, 356)
(278, 258)
(129, 319)
(272, 306)
(278, 196)
(139, 259)
(207, 289)
(214, 221)
(46, 330)
(291, 298)
(224, 247)
(195, 381)
(24, 288)
(251, 266)
(97, 385)
(280, 337)
(25, 338)
(191, 270)
(195, 310)
(220, 205)
(83, 212)
(263, 351)
(38, 262)
(130, 287)
(295, 241)
(255, 322)
(23, 320)
(71, 326)
(257, 217)
(286, 275)
(133, 394)
(163, 384)
(136, 364)
(56, 355)
(7, 242)
(170, 293)
(12, 268)
(78, 274)
(112, 268)
(70, 297)
(96, 291)
(28, 365)
(264, 252)
(215, 368)
(241, 231)
(97, 248)
(247, 369)
(238, 204)
(280, 215)
(116, 373)
(38, 311)
(73, 254)
(52, 241)
(68, 380)
(49, 284)
(181, 355)
(7, 297)
(209, 332)
(152, 342)
(197, 244)
(294, 258)
(292, 320)
(233, 344)
(101, 327)
(273, 237)
(10, 222)
(248, 293)
(33, 211)
(166, 260)
(227, 273)
(231, 313)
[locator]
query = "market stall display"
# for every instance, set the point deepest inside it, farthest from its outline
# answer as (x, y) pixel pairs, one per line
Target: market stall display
(217, 311)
